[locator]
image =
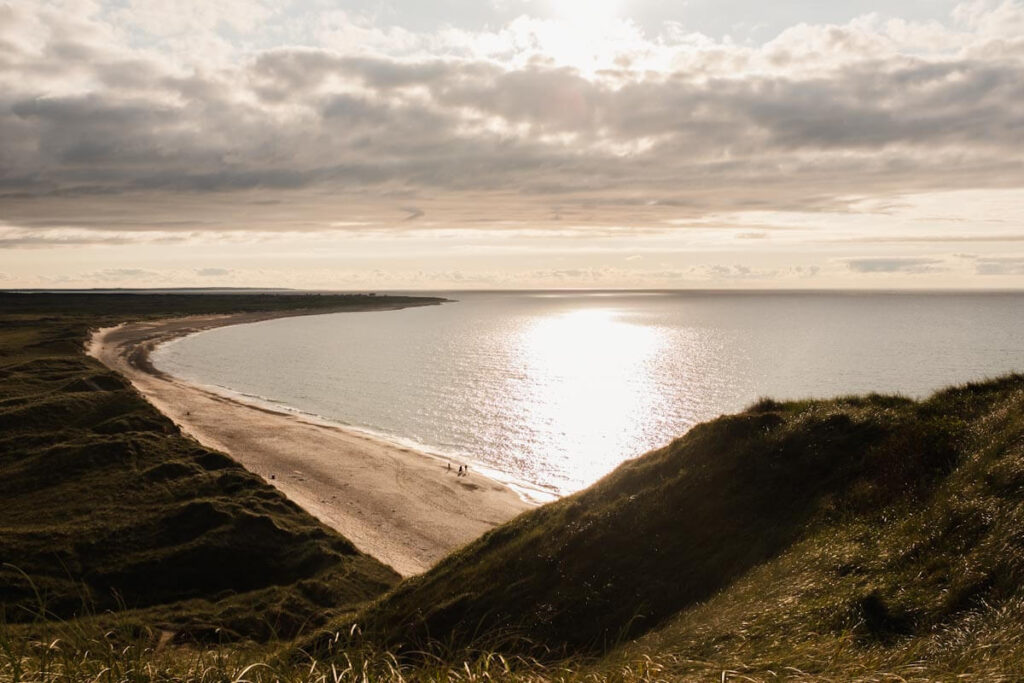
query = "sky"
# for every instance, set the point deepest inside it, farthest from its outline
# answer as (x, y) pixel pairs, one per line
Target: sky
(482, 144)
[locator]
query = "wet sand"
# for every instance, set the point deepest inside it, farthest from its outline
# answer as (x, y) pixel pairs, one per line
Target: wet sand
(400, 506)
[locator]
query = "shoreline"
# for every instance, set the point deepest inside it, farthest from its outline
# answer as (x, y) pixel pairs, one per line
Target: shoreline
(395, 503)
(532, 495)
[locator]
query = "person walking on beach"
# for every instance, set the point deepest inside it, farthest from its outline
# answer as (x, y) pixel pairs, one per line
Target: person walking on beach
(449, 467)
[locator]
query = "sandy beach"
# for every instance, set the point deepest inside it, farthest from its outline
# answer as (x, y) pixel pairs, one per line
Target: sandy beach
(401, 506)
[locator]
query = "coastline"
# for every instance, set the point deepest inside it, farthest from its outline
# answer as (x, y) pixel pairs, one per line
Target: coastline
(397, 504)
(531, 494)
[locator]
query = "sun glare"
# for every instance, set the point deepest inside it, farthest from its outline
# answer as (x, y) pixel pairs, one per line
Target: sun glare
(587, 12)
(590, 386)
(583, 32)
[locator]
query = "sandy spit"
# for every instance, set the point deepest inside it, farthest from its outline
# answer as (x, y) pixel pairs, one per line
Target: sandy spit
(403, 507)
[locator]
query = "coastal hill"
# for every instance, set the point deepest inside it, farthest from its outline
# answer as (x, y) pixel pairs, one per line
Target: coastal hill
(827, 536)
(104, 504)
(864, 537)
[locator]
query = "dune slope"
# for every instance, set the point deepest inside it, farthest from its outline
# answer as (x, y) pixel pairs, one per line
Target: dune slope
(104, 504)
(873, 520)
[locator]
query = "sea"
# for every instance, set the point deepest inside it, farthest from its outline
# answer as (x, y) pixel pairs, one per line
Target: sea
(549, 391)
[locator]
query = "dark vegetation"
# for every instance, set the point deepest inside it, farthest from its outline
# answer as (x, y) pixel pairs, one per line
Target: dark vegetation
(104, 504)
(859, 529)
(860, 538)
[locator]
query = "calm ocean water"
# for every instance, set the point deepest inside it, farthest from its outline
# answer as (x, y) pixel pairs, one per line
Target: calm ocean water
(556, 389)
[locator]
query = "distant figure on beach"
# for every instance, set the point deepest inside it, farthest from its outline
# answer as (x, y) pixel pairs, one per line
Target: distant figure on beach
(449, 467)
(460, 470)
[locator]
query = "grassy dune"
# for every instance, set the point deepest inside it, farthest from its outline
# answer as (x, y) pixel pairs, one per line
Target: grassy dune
(104, 504)
(860, 538)
(836, 538)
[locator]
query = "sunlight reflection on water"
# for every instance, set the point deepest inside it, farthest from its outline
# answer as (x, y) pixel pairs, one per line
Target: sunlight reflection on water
(556, 389)
(589, 380)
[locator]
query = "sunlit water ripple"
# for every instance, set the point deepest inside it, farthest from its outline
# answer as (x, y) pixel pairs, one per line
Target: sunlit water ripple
(555, 390)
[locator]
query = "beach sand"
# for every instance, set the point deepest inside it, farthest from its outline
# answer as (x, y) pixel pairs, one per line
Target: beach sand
(400, 506)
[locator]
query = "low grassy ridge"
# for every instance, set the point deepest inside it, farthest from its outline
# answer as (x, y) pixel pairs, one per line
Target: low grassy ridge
(860, 538)
(105, 505)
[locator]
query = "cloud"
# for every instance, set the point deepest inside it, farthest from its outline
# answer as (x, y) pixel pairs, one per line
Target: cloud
(116, 275)
(894, 265)
(999, 265)
(42, 235)
(935, 239)
(737, 272)
(212, 272)
(463, 126)
(413, 212)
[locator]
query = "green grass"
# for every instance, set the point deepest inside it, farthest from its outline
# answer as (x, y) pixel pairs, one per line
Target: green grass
(76, 656)
(105, 505)
(860, 538)
(835, 538)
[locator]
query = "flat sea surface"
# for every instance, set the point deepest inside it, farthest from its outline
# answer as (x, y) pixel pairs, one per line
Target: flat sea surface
(555, 389)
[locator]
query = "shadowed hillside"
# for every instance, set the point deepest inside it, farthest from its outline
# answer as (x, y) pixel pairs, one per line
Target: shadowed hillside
(104, 504)
(877, 519)
(860, 538)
